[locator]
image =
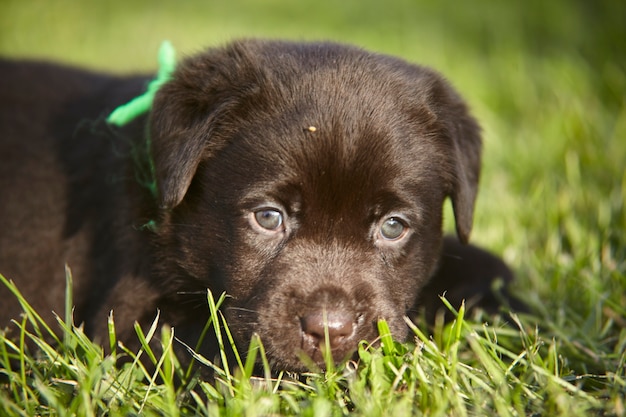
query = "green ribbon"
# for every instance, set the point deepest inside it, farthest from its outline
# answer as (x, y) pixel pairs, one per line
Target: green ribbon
(128, 112)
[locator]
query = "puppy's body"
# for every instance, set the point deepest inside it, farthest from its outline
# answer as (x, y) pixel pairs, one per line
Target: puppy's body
(305, 180)
(64, 186)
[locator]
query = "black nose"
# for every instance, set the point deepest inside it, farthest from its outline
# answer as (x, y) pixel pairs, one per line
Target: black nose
(339, 324)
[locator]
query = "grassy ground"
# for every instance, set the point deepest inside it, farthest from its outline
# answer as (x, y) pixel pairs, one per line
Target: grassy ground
(548, 82)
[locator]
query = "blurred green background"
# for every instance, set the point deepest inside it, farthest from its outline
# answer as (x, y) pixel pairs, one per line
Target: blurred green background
(546, 79)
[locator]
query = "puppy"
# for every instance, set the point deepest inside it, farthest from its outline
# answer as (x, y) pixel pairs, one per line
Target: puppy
(305, 180)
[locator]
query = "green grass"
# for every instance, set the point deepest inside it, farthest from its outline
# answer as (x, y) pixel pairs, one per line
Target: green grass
(461, 369)
(547, 80)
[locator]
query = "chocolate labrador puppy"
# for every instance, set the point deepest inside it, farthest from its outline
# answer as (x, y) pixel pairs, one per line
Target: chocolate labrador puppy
(305, 180)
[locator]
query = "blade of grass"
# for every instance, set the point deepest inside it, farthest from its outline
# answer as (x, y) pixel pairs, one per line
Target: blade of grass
(69, 305)
(215, 316)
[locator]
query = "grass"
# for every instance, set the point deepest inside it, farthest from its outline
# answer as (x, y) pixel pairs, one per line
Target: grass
(547, 80)
(462, 369)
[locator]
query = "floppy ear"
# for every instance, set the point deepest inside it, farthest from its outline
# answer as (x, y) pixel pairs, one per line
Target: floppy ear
(467, 146)
(177, 145)
(463, 132)
(186, 116)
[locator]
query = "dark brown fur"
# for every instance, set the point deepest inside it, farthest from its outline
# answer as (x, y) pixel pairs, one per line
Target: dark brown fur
(231, 135)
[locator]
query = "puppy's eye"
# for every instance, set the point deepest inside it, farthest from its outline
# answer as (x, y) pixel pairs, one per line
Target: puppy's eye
(393, 229)
(269, 219)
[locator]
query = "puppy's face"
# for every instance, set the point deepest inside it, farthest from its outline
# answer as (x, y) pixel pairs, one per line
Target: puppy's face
(308, 182)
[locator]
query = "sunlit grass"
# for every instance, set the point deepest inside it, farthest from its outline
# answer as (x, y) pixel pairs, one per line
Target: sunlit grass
(461, 369)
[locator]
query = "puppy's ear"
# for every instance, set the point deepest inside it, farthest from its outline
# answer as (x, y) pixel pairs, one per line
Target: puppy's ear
(185, 119)
(467, 146)
(463, 132)
(178, 137)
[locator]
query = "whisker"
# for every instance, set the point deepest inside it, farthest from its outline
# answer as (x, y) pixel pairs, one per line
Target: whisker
(186, 225)
(247, 310)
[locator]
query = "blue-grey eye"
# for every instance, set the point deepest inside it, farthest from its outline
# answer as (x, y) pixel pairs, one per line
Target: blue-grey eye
(393, 228)
(270, 219)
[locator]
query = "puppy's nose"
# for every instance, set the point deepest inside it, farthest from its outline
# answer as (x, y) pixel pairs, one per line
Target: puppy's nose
(339, 326)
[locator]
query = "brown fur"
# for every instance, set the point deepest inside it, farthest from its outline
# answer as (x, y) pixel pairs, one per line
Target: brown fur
(231, 135)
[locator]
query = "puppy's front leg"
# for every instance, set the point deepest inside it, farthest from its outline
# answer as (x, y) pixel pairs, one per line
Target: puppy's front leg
(471, 274)
(131, 300)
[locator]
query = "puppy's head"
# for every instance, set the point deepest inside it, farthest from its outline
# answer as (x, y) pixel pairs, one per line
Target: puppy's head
(307, 180)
